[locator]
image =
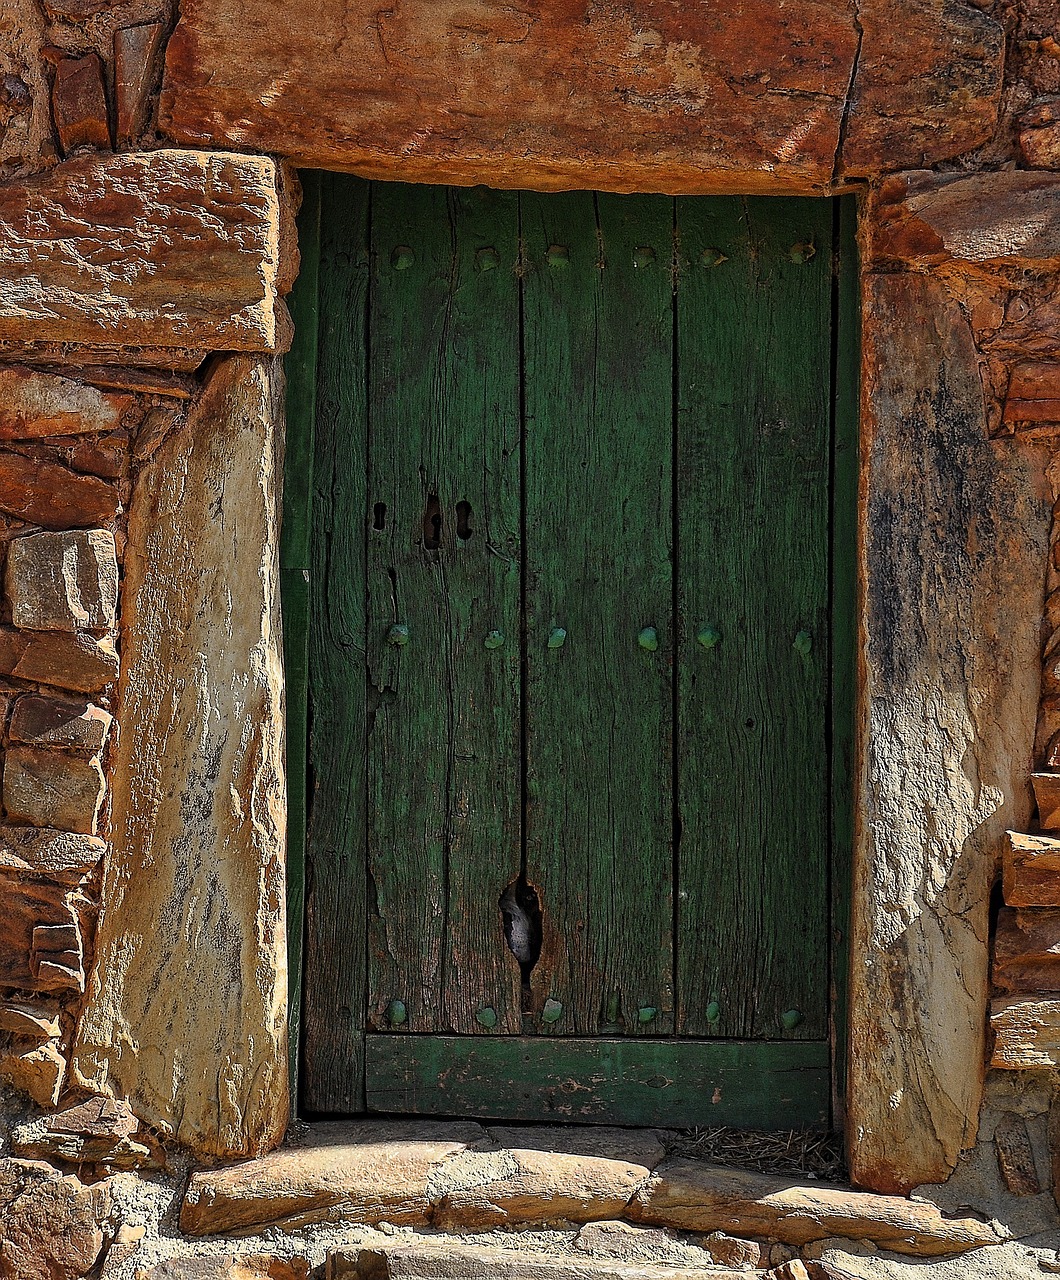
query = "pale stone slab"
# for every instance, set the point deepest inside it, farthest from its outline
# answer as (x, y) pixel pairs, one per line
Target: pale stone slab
(175, 250)
(695, 1196)
(669, 97)
(63, 581)
(481, 1190)
(48, 788)
(365, 1172)
(954, 540)
(196, 885)
(1026, 1032)
(34, 404)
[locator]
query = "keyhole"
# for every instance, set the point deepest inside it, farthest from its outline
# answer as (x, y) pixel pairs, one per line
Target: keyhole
(521, 918)
(379, 516)
(463, 521)
(432, 524)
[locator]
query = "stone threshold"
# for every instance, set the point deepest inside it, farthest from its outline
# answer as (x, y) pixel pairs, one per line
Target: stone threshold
(463, 1177)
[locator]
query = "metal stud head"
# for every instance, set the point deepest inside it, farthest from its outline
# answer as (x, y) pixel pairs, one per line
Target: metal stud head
(712, 257)
(487, 259)
(713, 1011)
(803, 252)
(790, 1019)
(402, 257)
(557, 638)
(396, 1013)
(552, 1012)
(648, 639)
(486, 1017)
(646, 1013)
(398, 635)
(494, 640)
(558, 255)
(643, 256)
(708, 637)
(803, 643)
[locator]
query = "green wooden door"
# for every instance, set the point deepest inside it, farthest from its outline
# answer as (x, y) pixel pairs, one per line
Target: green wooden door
(575, 525)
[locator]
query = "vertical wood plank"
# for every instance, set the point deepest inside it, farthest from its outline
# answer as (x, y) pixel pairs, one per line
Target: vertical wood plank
(598, 346)
(300, 369)
(754, 355)
(333, 1043)
(444, 563)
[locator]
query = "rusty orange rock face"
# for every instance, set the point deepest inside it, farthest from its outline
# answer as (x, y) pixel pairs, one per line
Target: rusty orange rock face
(681, 98)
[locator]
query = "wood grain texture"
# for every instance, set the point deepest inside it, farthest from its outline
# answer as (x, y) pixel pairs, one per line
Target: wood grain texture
(634, 1081)
(174, 250)
(954, 534)
(677, 98)
(194, 891)
(598, 341)
(443, 561)
(336, 892)
(753, 376)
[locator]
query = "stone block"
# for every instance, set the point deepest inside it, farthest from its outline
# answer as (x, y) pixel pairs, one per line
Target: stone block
(1047, 794)
(1027, 950)
(27, 849)
(53, 496)
(79, 103)
(81, 662)
(136, 52)
(695, 1196)
(1026, 1032)
(53, 1223)
(63, 581)
(1015, 1155)
(176, 251)
(36, 1069)
(97, 1131)
(53, 789)
(703, 99)
(200, 607)
(365, 1172)
(35, 404)
(1041, 146)
(1031, 870)
(41, 721)
(30, 1019)
(229, 1266)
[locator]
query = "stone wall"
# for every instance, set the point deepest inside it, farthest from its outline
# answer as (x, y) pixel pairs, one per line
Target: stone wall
(143, 261)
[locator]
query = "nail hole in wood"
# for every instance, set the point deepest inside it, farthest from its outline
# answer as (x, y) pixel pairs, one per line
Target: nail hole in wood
(463, 521)
(379, 516)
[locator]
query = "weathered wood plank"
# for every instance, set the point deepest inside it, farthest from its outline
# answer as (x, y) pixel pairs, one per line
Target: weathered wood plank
(444, 563)
(634, 1082)
(948, 726)
(598, 342)
(679, 98)
(1031, 870)
(753, 372)
(176, 250)
(1027, 950)
(1026, 1033)
(336, 892)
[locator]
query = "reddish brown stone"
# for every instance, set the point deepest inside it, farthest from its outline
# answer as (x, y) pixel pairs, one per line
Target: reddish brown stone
(1027, 950)
(67, 660)
(1031, 870)
(135, 57)
(37, 1070)
(79, 103)
(53, 722)
(1015, 1155)
(34, 404)
(1041, 147)
(53, 496)
(52, 1223)
(669, 97)
(53, 789)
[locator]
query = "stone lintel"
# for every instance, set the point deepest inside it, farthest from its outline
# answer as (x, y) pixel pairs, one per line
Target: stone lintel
(674, 98)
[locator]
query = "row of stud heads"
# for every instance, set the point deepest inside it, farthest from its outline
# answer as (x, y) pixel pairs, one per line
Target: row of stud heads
(403, 256)
(397, 1014)
(400, 634)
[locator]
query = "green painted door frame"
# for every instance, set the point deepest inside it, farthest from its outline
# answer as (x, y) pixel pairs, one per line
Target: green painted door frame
(771, 1059)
